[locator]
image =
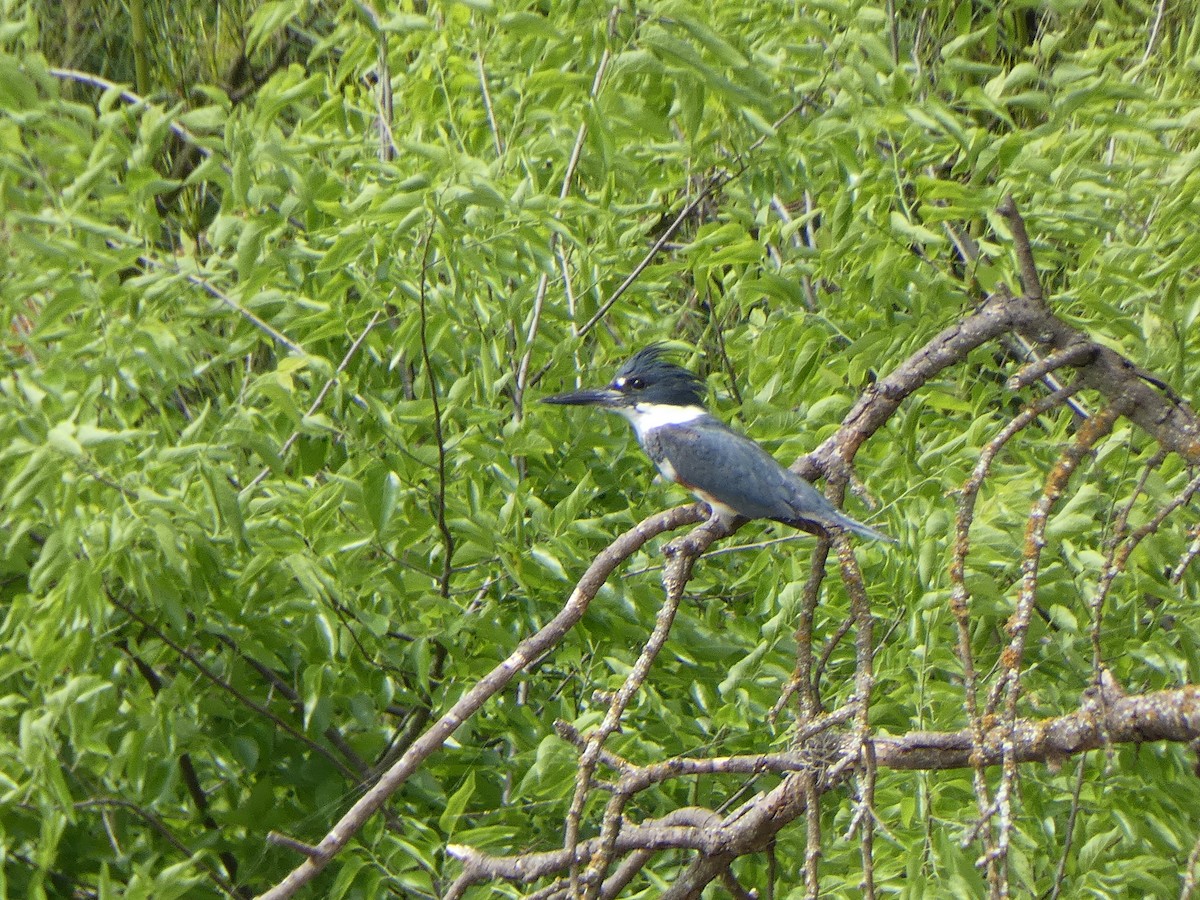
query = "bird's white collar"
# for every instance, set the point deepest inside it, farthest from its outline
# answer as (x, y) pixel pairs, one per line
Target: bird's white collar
(646, 417)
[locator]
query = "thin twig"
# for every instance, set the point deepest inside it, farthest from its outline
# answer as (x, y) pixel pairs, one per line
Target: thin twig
(960, 600)
(1117, 556)
(1069, 831)
(438, 436)
(1154, 28)
(131, 98)
(864, 682)
(539, 296)
(812, 835)
(436, 735)
(268, 675)
(224, 685)
(1031, 284)
(213, 291)
(808, 691)
(1186, 558)
(1039, 368)
(383, 82)
(714, 185)
(1018, 625)
(487, 105)
(682, 555)
(867, 777)
(156, 823)
(322, 394)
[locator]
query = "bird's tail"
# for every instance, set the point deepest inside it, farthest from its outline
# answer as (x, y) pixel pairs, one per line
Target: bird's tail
(844, 521)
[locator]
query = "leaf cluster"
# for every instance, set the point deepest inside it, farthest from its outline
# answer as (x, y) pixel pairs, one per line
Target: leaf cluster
(274, 490)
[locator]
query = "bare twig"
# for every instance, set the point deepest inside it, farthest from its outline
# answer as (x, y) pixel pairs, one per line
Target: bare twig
(681, 555)
(322, 394)
(1169, 422)
(831, 644)
(867, 778)
(1187, 558)
(804, 678)
(1018, 624)
(1074, 355)
(812, 836)
(213, 291)
(539, 297)
(278, 684)
(1154, 29)
(714, 185)
(439, 437)
(960, 596)
(224, 685)
(1069, 831)
(156, 823)
(432, 739)
(290, 843)
(131, 98)
(864, 681)
(487, 104)
(1031, 284)
(383, 80)
(1118, 555)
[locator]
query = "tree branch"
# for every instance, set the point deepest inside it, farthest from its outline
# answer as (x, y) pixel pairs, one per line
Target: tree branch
(1161, 413)
(1106, 716)
(528, 650)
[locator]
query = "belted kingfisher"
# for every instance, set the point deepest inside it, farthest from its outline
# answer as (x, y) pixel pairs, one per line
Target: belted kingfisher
(727, 470)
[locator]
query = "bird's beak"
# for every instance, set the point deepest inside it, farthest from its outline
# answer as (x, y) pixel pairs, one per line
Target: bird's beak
(587, 397)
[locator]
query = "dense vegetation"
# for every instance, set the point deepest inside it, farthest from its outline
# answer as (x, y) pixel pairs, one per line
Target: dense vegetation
(281, 282)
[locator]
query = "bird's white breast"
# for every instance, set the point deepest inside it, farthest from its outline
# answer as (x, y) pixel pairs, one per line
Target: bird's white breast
(645, 417)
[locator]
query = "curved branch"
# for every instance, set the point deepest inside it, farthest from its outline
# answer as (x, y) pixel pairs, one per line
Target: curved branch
(1152, 405)
(689, 828)
(681, 554)
(1106, 716)
(487, 687)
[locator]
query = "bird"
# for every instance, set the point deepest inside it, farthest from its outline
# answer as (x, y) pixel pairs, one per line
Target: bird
(664, 402)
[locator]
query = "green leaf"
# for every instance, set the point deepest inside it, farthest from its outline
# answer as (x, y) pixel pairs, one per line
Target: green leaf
(456, 805)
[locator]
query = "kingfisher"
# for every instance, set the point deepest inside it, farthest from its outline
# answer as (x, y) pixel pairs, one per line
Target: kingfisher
(727, 470)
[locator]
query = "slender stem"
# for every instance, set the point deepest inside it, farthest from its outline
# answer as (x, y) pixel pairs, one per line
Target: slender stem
(141, 67)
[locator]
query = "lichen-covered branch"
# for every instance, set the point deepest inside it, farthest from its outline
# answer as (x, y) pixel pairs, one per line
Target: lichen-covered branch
(1106, 716)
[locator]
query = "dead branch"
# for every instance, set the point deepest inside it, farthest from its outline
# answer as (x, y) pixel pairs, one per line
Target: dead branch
(681, 554)
(1172, 715)
(688, 827)
(1161, 414)
(488, 686)
(750, 828)
(1106, 714)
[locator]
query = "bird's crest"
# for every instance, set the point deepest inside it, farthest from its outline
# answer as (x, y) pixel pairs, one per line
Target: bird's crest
(652, 366)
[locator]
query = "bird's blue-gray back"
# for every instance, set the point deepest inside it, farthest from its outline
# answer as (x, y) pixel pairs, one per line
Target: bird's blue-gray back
(708, 455)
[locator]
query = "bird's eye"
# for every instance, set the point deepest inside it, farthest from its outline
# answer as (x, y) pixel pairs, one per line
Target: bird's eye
(636, 383)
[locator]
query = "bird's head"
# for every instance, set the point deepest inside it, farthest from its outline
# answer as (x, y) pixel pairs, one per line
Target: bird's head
(647, 379)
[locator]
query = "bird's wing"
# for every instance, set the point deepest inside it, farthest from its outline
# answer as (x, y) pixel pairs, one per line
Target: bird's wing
(716, 461)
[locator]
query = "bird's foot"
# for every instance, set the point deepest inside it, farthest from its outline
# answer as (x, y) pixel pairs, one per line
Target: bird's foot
(697, 541)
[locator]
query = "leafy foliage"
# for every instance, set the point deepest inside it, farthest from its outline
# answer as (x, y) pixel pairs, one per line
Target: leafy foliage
(274, 489)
